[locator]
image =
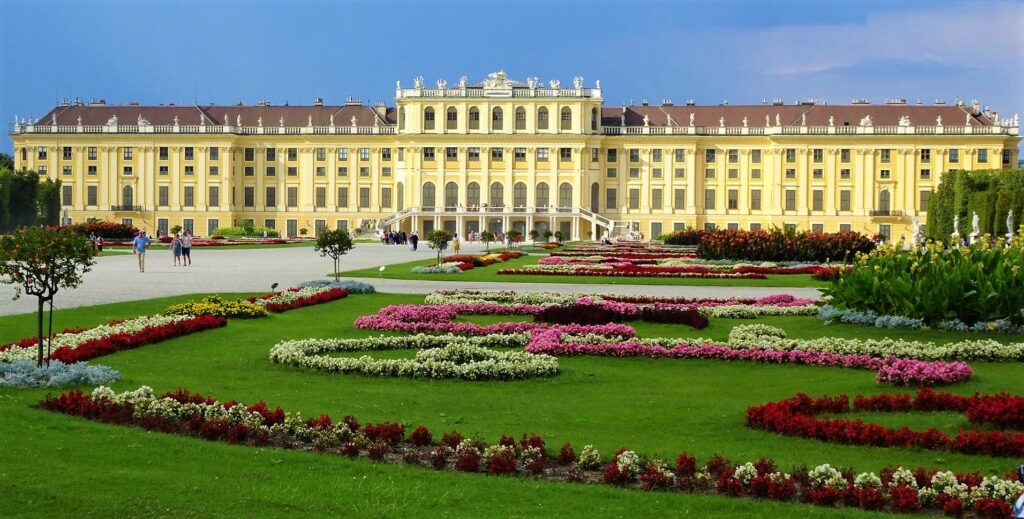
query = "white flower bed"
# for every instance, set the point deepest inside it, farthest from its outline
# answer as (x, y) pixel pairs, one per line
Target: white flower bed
(72, 340)
(441, 356)
(448, 267)
(290, 296)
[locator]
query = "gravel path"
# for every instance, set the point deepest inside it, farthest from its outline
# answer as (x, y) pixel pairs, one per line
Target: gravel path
(116, 278)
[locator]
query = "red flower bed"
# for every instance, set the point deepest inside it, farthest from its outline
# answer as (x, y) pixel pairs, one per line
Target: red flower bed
(687, 237)
(796, 416)
(321, 297)
(776, 245)
(105, 230)
(124, 341)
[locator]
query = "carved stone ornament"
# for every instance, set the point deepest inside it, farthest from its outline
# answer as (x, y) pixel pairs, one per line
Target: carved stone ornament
(497, 80)
(904, 121)
(577, 82)
(112, 121)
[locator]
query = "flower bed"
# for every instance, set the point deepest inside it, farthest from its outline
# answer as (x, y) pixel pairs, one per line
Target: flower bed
(459, 262)
(628, 270)
(191, 414)
(440, 319)
(797, 416)
(889, 370)
(830, 314)
(216, 305)
(440, 356)
(115, 336)
(775, 245)
(350, 286)
(298, 297)
(23, 373)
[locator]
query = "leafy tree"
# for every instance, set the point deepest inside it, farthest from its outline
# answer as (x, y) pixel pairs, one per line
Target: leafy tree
(42, 261)
(547, 235)
(558, 235)
(49, 202)
(6, 162)
(534, 234)
(303, 231)
(19, 200)
(487, 237)
(438, 240)
(514, 235)
(176, 229)
(333, 244)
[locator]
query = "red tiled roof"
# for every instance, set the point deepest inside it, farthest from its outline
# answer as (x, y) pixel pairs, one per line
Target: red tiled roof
(791, 115)
(215, 114)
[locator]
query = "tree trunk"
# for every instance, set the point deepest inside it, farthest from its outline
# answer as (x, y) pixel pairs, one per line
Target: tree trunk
(39, 322)
(336, 266)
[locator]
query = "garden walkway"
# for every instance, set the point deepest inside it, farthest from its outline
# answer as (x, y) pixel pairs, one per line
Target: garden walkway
(115, 278)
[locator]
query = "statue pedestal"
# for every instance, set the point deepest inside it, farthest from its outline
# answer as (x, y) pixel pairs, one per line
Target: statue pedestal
(956, 239)
(974, 237)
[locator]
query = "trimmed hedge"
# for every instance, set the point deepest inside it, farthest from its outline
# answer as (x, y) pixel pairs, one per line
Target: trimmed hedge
(989, 193)
(776, 245)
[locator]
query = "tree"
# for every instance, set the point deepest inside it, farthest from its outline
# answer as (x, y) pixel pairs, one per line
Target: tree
(438, 240)
(534, 234)
(487, 237)
(547, 235)
(333, 244)
(6, 162)
(176, 229)
(513, 235)
(303, 231)
(49, 202)
(42, 261)
(558, 236)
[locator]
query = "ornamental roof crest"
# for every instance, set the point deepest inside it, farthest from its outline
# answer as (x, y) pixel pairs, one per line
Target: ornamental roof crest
(497, 80)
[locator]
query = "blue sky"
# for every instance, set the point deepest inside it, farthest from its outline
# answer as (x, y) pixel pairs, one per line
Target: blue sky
(709, 51)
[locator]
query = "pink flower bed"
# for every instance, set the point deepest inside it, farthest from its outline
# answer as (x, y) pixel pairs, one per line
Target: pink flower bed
(440, 319)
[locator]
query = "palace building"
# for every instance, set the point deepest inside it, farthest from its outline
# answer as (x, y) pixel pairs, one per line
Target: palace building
(502, 154)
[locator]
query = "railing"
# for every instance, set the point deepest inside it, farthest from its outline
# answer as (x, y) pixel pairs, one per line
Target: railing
(481, 92)
(885, 212)
(16, 129)
(810, 130)
(132, 208)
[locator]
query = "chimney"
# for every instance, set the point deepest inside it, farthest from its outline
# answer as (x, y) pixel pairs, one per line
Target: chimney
(975, 107)
(381, 109)
(318, 101)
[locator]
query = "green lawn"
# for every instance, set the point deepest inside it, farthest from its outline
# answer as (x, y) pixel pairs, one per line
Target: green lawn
(490, 273)
(54, 464)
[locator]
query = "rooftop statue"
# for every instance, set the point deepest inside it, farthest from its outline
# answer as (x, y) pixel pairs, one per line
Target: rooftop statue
(112, 121)
(831, 120)
(577, 82)
(904, 121)
(866, 121)
(555, 84)
(497, 80)
(418, 82)
(691, 119)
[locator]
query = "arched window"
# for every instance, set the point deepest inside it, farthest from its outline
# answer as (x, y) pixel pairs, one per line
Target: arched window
(566, 118)
(428, 196)
(401, 118)
(543, 199)
(593, 119)
(497, 118)
(595, 196)
(428, 119)
(451, 196)
(519, 194)
(473, 194)
(474, 118)
(884, 200)
(453, 118)
(127, 197)
(497, 195)
(520, 118)
(400, 195)
(565, 195)
(542, 118)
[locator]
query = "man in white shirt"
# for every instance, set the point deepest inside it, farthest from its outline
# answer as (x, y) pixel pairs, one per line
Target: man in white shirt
(186, 247)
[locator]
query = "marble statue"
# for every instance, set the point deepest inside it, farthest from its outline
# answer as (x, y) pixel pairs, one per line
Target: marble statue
(623, 121)
(79, 120)
(332, 120)
(442, 84)
(280, 122)
(238, 120)
(597, 84)
(938, 121)
(1009, 225)
(309, 120)
(767, 120)
(831, 120)
(259, 121)
(176, 120)
(398, 85)
(462, 81)
(721, 121)
(53, 119)
(691, 119)
(110, 122)
(418, 82)
(866, 121)
(904, 121)
(975, 221)
(967, 120)
(956, 225)
(141, 121)
(803, 119)
(647, 120)
(226, 120)
(670, 121)
(354, 123)
(778, 120)
(577, 82)
(202, 120)
(555, 84)
(744, 121)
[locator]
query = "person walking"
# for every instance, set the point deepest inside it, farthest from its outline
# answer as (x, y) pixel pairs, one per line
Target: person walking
(139, 246)
(99, 244)
(414, 239)
(456, 244)
(186, 248)
(176, 249)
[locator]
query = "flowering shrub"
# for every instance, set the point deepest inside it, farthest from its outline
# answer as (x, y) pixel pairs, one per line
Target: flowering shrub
(217, 306)
(22, 373)
(105, 230)
(685, 237)
(298, 297)
(796, 416)
(775, 245)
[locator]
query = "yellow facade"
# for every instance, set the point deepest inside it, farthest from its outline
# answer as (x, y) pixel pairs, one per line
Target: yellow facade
(503, 155)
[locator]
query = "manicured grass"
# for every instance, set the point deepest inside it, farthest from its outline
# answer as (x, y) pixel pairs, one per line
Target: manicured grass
(490, 273)
(55, 464)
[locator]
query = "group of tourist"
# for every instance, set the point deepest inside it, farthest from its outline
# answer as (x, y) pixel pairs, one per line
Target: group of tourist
(181, 248)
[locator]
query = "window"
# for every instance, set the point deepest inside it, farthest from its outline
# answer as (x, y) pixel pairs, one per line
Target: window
(885, 232)
(680, 155)
(270, 200)
(428, 154)
(612, 173)
(709, 155)
(385, 171)
(755, 173)
(497, 118)
(473, 154)
(385, 197)
(67, 152)
(213, 196)
(886, 155)
(634, 172)
(321, 171)
(611, 196)
(519, 154)
(884, 200)
(364, 171)
(565, 154)
(90, 195)
(428, 118)
(926, 174)
(271, 154)
(655, 229)
(656, 155)
(982, 155)
(954, 155)
(67, 170)
(818, 228)
(271, 171)
(755, 227)
(612, 155)
(451, 153)
(755, 156)
(92, 170)
(844, 173)
(212, 225)
(679, 198)
(497, 154)
(520, 118)
(364, 153)
(320, 196)
(163, 193)
(342, 224)
(342, 197)
(187, 224)
(733, 199)
(790, 228)
(91, 153)
(818, 155)
(292, 228)
(542, 154)
(190, 196)
(293, 196)
(790, 200)
(270, 223)
(213, 153)
(127, 171)
(734, 156)
(680, 173)
(733, 173)
(926, 155)
(474, 118)
(656, 198)
(817, 200)
(656, 173)
(127, 153)
(249, 154)
(249, 196)
(452, 118)
(473, 194)
(709, 173)
(790, 155)
(190, 153)
(293, 171)
(755, 199)
(1006, 157)
(790, 173)
(566, 118)
(923, 204)
(709, 199)
(214, 171)
(497, 194)
(594, 119)
(543, 198)
(42, 170)
(364, 197)
(884, 174)
(678, 226)
(634, 199)
(385, 154)
(451, 196)
(817, 173)
(595, 154)
(342, 171)
(66, 194)
(844, 155)
(733, 226)
(41, 151)
(342, 153)
(845, 227)
(190, 170)
(634, 155)
(844, 200)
